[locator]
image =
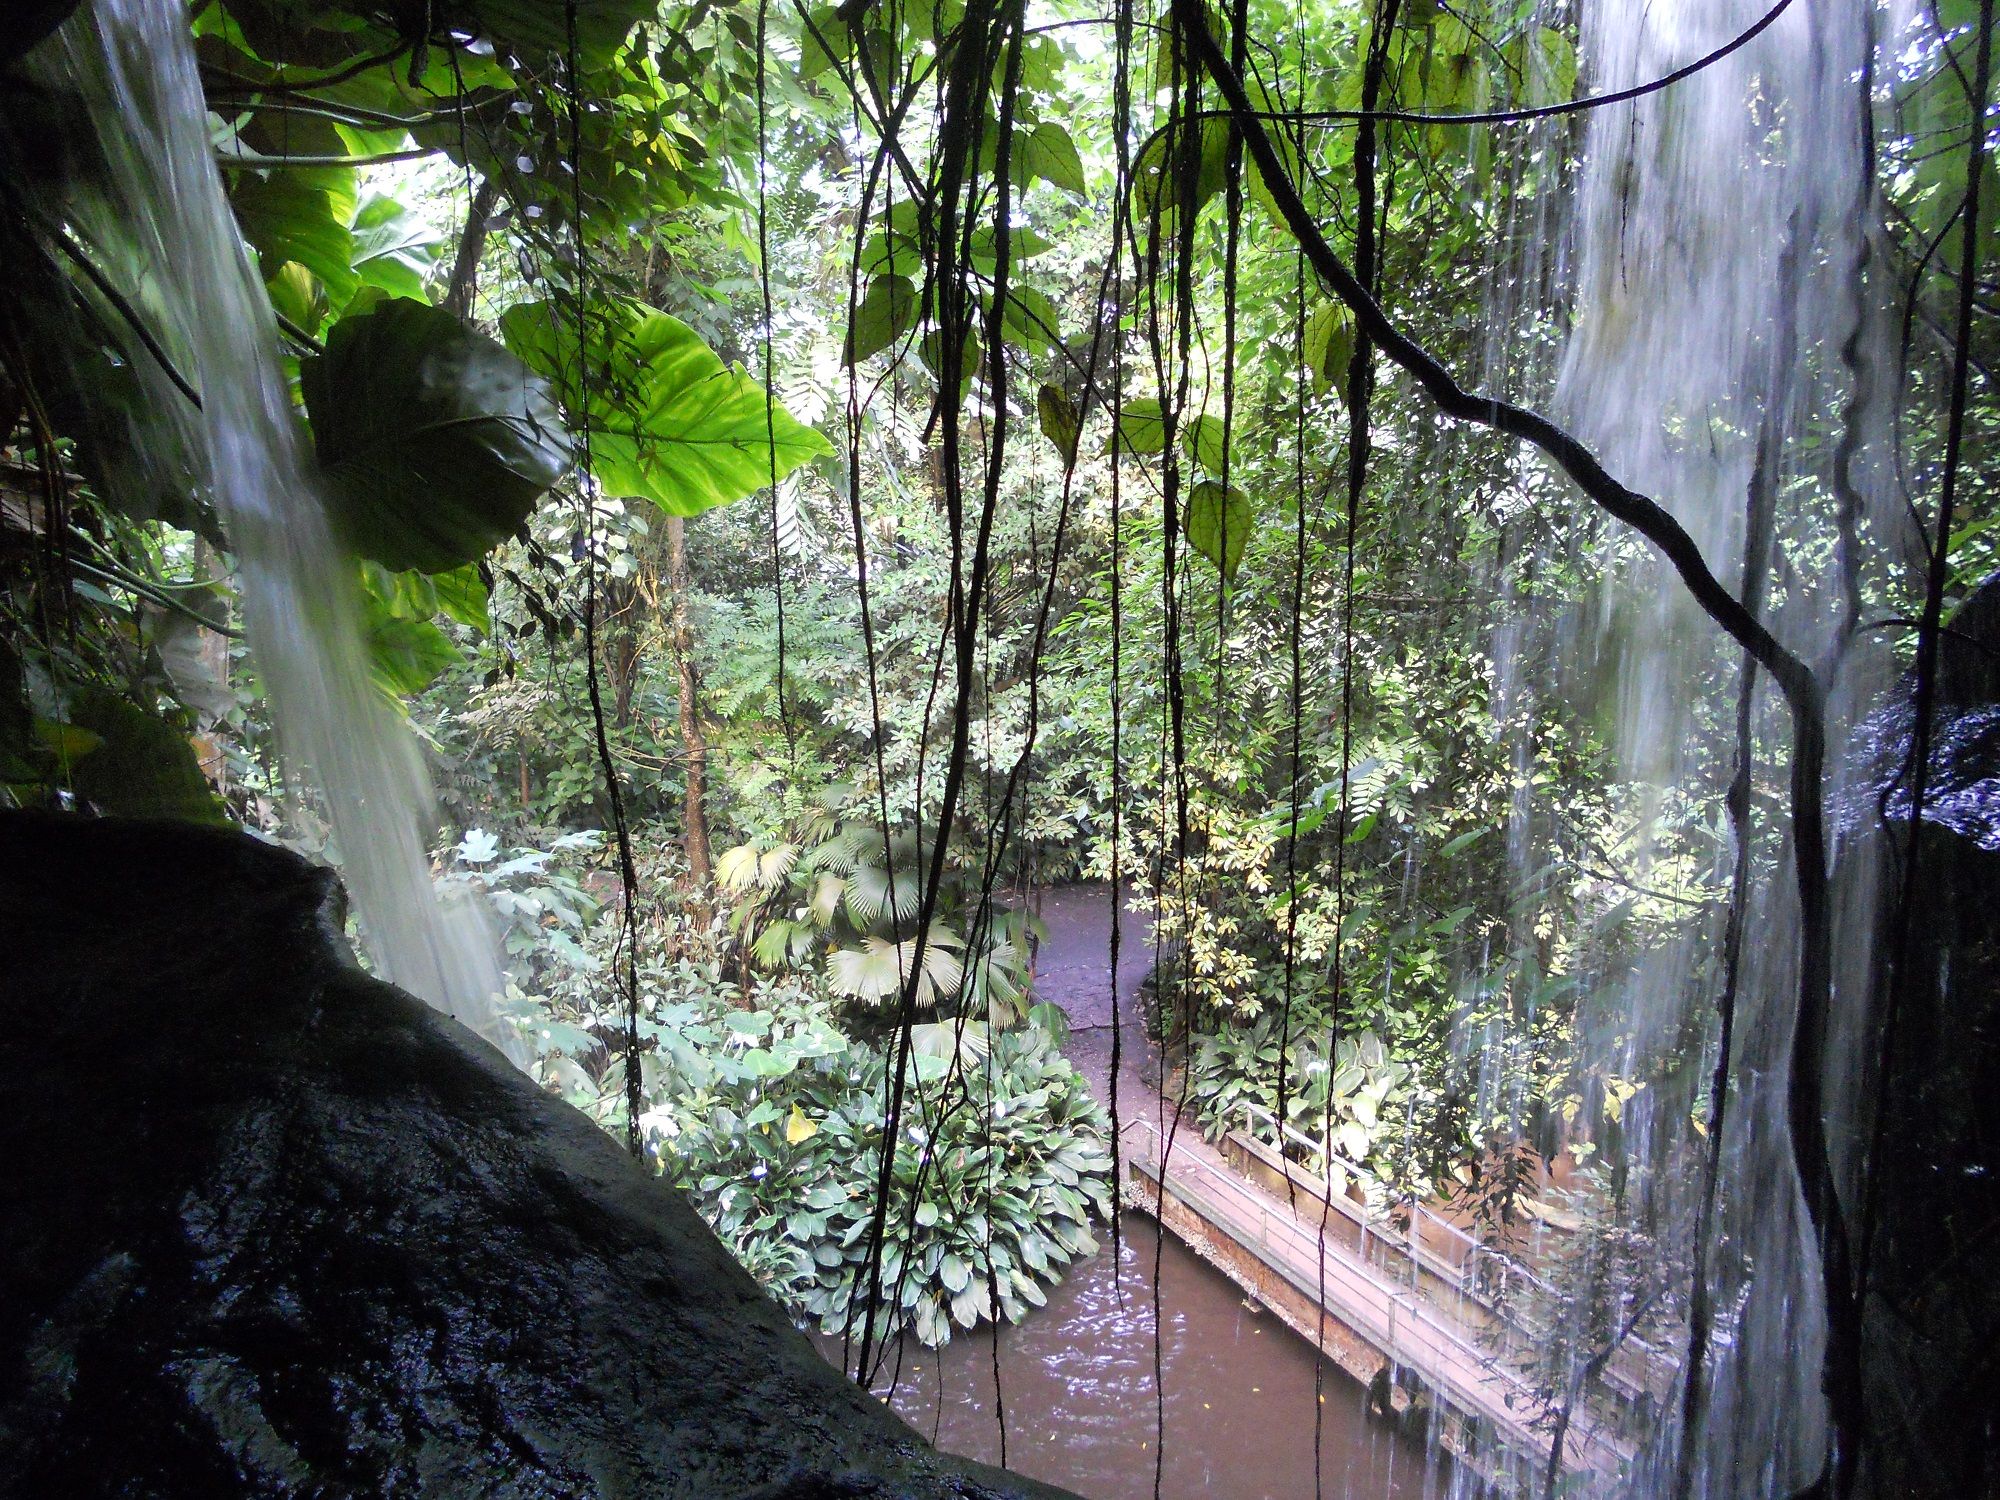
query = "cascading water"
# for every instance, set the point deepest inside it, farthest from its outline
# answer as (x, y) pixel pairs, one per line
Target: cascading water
(1720, 335)
(151, 210)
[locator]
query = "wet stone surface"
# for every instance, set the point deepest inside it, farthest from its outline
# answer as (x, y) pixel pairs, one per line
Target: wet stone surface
(272, 1228)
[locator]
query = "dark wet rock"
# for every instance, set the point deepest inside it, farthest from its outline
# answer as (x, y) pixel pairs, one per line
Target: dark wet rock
(1962, 790)
(269, 1227)
(1932, 1319)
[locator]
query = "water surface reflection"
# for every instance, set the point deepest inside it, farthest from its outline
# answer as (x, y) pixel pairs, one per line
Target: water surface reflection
(1077, 1382)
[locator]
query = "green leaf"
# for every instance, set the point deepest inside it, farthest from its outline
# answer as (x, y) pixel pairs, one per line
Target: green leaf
(930, 349)
(1060, 423)
(1022, 244)
(142, 767)
(436, 442)
(1141, 428)
(1204, 440)
(1329, 345)
(1030, 319)
(393, 248)
(884, 314)
(1051, 155)
(301, 215)
(1218, 524)
(1551, 67)
(1156, 181)
(669, 422)
(405, 655)
(462, 595)
(534, 26)
(67, 742)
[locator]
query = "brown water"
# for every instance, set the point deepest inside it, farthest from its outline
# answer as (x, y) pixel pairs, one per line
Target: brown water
(1076, 1379)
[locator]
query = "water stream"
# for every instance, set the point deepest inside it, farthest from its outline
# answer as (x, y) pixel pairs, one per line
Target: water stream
(1719, 339)
(148, 203)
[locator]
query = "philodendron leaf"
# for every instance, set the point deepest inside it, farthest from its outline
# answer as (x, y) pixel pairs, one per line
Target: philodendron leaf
(405, 655)
(393, 248)
(435, 441)
(669, 422)
(301, 216)
(1060, 423)
(1218, 524)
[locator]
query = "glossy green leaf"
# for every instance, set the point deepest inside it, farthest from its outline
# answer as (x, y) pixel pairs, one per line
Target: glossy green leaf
(405, 655)
(669, 422)
(435, 441)
(302, 216)
(393, 248)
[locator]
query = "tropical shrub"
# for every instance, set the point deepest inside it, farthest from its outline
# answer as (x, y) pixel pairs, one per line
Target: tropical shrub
(762, 1106)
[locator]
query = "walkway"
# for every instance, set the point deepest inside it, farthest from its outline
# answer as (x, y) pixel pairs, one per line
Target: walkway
(1372, 1314)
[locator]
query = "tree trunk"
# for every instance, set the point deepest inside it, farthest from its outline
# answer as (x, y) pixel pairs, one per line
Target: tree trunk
(695, 747)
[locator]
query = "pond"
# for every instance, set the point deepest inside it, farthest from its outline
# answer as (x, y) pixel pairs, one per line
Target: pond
(1076, 1382)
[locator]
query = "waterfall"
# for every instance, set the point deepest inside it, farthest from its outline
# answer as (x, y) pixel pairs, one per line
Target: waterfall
(1720, 334)
(150, 206)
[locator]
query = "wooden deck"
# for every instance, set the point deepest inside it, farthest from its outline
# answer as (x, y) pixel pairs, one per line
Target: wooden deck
(1363, 1315)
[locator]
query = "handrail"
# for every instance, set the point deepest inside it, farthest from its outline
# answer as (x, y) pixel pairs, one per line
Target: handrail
(1461, 1276)
(1504, 1385)
(1326, 1153)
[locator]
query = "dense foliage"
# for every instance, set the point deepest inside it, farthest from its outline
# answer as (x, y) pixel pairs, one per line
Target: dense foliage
(1056, 566)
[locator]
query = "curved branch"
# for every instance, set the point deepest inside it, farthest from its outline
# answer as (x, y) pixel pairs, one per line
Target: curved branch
(1537, 112)
(1803, 692)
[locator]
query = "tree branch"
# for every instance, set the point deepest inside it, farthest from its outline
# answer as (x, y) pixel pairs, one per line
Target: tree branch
(1804, 697)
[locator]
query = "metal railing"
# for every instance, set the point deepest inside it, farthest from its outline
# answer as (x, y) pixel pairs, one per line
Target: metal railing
(1496, 1282)
(1380, 1305)
(1510, 1297)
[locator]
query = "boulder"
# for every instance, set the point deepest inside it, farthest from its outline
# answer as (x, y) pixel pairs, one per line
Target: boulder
(271, 1227)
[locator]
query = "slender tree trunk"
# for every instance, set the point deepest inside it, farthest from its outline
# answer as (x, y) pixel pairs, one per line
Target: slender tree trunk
(471, 243)
(694, 816)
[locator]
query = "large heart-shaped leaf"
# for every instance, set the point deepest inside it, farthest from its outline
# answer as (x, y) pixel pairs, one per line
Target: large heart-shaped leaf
(1060, 423)
(436, 442)
(301, 215)
(1218, 524)
(394, 249)
(885, 313)
(668, 421)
